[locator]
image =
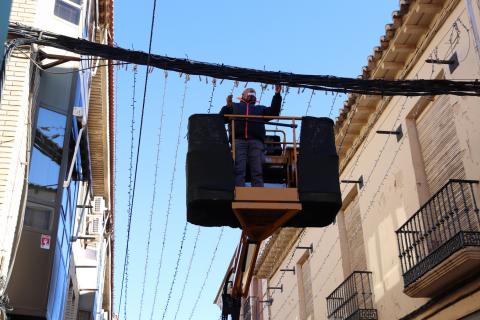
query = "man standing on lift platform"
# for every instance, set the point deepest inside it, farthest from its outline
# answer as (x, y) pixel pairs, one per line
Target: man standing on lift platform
(250, 135)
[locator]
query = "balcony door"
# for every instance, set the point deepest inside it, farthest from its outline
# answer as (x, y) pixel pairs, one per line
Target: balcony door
(443, 160)
(439, 143)
(305, 292)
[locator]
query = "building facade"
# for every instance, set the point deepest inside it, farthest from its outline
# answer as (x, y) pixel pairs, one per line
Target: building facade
(56, 167)
(406, 243)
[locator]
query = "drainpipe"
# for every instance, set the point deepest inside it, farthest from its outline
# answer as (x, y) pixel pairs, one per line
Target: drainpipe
(5, 6)
(473, 23)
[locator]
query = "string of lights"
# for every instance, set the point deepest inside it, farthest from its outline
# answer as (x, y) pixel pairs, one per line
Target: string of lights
(282, 275)
(381, 87)
(180, 251)
(189, 268)
(367, 211)
(373, 197)
(263, 88)
(154, 196)
(209, 110)
(333, 105)
(353, 111)
(115, 158)
(132, 202)
(124, 284)
(205, 278)
(453, 28)
(378, 189)
(175, 272)
(309, 105)
(337, 238)
(170, 198)
(314, 277)
(327, 278)
(210, 102)
(319, 271)
(384, 146)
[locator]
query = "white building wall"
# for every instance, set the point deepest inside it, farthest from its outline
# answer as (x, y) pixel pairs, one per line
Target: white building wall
(14, 134)
(393, 189)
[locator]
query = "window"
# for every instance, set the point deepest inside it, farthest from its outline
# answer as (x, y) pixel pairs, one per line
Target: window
(38, 217)
(47, 151)
(68, 10)
(305, 292)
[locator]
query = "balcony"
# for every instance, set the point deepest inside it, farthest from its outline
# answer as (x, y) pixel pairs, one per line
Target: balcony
(440, 244)
(352, 299)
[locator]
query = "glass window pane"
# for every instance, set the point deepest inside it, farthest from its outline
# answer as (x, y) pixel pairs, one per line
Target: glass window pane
(38, 218)
(67, 11)
(47, 155)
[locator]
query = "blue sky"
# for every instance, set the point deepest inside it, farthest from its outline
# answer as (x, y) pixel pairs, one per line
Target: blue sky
(307, 36)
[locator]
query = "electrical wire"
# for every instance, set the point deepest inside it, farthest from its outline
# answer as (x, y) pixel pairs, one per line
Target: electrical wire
(125, 270)
(381, 87)
(40, 67)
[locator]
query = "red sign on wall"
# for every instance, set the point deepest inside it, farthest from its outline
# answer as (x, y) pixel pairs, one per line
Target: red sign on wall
(45, 241)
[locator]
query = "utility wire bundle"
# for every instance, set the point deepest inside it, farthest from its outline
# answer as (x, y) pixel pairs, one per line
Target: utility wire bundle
(26, 35)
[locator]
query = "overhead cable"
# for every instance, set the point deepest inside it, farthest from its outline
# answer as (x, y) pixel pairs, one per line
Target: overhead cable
(132, 202)
(417, 87)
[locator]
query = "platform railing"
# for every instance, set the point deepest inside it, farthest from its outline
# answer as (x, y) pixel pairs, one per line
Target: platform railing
(293, 124)
(447, 222)
(352, 299)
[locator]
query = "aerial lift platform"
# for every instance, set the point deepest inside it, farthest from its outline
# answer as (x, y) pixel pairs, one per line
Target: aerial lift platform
(301, 187)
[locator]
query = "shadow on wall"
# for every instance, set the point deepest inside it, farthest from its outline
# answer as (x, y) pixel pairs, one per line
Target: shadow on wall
(389, 299)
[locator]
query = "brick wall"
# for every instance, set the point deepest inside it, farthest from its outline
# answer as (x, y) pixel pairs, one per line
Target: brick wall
(14, 121)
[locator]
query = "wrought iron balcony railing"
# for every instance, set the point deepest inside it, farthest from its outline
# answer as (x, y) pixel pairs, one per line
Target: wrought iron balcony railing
(352, 299)
(446, 223)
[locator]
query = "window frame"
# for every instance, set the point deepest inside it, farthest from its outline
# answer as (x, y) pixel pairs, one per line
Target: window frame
(72, 5)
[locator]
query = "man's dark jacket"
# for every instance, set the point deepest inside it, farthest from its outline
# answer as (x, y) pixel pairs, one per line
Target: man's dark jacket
(250, 129)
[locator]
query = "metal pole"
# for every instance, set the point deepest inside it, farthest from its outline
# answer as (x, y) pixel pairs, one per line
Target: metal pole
(5, 6)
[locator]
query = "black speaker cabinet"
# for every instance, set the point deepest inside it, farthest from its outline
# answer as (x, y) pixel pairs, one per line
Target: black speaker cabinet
(210, 173)
(318, 176)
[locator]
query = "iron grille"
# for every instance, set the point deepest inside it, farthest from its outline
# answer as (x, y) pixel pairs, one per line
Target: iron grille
(446, 223)
(353, 299)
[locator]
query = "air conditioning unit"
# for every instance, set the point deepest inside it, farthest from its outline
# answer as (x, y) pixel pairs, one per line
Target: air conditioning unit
(94, 224)
(98, 205)
(103, 315)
